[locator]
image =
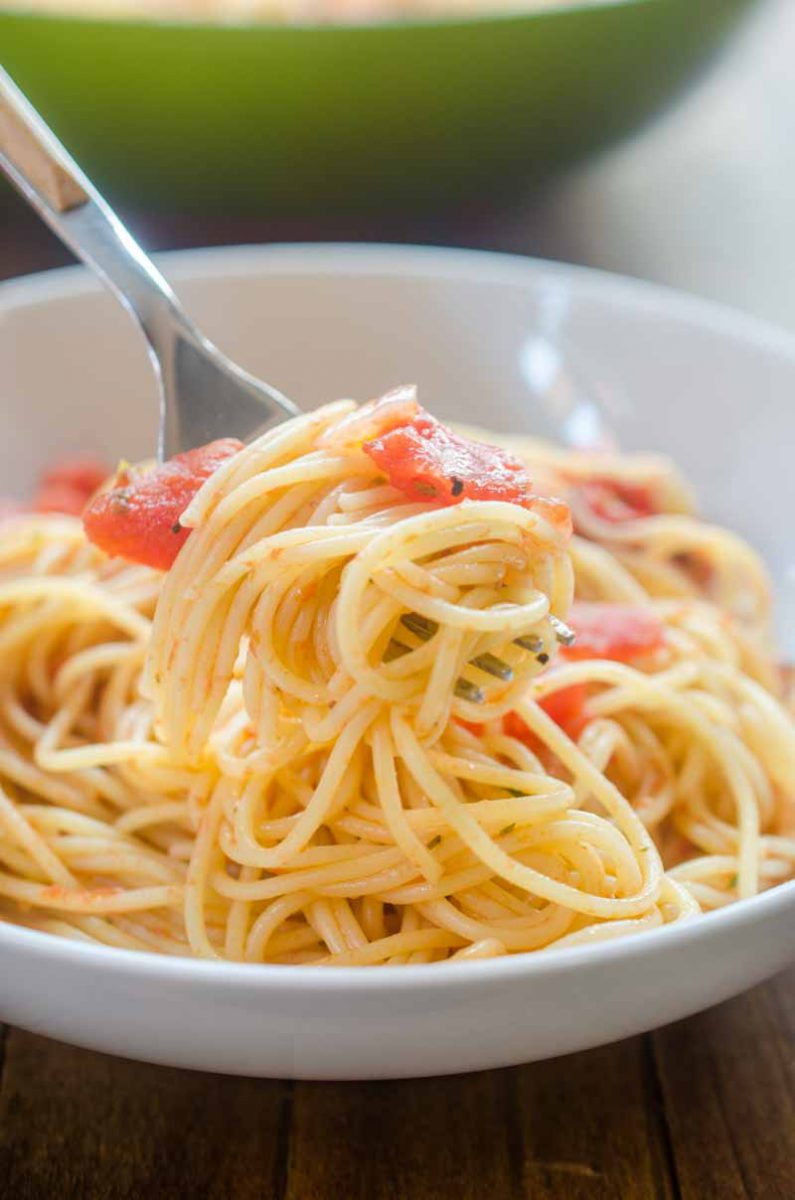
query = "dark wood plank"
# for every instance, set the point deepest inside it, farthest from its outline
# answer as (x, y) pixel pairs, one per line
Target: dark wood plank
(727, 1079)
(412, 1140)
(579, 1128)
(781, 994)
(589, 1127)
(81, 1126)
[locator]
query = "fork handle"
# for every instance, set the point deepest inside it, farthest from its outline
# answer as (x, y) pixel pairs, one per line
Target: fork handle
(49, 178)
(32, 159)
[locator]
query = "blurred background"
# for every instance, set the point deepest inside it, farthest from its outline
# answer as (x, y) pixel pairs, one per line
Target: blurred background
(650, 137)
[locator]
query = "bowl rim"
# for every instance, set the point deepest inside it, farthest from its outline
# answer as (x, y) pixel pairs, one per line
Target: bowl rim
(363, 259)
(552, 10)
(211, 973)
(399, 259)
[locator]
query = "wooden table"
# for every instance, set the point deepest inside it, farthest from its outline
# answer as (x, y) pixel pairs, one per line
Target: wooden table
(702, 1110)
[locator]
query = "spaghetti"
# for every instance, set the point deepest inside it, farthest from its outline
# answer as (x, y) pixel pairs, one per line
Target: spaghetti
(347, 726)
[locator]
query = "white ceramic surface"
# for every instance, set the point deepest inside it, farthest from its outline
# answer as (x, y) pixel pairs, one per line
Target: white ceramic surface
(481, 335)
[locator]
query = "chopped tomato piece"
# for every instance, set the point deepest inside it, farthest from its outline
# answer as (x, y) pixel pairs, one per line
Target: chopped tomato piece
(554, 511)
(621, 632)
(615, 501)
(138, 518)
(566, 708)
(471, 726)
(374, 419)
(428, 462)
(83, 474)
(60, 498)
(67, 486)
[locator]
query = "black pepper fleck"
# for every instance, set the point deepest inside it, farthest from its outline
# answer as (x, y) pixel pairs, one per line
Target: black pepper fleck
(457, 486)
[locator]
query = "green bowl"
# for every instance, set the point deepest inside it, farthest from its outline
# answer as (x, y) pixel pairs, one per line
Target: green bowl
(405, 116)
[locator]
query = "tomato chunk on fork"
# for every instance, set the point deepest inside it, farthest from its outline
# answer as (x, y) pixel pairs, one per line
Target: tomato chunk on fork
(429, 462)
(138, 516)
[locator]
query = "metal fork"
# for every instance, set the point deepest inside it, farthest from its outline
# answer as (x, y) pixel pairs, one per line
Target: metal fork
(203, 394)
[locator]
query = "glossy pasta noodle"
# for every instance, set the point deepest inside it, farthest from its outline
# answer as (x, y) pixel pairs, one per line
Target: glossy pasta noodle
(331, 733)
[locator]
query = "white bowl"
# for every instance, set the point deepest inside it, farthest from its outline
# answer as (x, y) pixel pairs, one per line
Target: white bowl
(710, 387)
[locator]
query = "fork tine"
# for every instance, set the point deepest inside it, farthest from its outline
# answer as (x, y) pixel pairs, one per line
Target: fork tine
(420, 626)
(563, 632)
(531, 642)
(469, 691)
(493, 666)
(395, 649)
(424, 629)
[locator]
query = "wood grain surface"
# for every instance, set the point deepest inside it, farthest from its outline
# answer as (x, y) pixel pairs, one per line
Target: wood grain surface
(701, 1110)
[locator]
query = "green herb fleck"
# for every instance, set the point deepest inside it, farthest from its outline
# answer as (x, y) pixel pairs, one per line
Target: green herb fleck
(508, 829)
(120, 500)
(422, 488)
(434, 842)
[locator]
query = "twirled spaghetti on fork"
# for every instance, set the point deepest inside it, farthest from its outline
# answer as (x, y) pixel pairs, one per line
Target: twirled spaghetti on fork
(349, 723)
